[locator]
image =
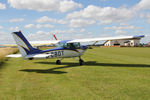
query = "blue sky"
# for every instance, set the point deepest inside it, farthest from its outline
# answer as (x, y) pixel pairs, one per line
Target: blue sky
(71, 19)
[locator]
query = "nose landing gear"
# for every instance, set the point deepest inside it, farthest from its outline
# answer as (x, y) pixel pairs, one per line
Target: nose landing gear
(81, 62)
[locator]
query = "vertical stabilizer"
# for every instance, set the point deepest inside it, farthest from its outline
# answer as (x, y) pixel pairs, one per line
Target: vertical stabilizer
(24, 46)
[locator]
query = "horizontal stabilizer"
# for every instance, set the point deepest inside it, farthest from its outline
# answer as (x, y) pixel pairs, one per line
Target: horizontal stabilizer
(38, 56)
(14, 55)
(32, 56)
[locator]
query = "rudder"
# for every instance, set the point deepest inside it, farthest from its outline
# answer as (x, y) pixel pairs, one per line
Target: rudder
(24, 46)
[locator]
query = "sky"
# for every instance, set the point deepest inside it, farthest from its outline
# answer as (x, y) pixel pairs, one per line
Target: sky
(74, 19)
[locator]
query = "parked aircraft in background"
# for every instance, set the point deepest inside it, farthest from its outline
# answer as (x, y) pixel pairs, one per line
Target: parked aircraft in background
(64, 49)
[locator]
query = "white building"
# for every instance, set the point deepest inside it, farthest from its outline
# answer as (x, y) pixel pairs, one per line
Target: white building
(133, 42)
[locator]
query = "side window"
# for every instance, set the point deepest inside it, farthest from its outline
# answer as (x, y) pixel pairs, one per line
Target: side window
(65, 45)
(70, 45)
(77, 45)
(62, 45)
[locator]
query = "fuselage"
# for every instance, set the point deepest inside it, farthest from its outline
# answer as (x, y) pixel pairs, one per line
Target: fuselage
(63, 53)
(63, 50)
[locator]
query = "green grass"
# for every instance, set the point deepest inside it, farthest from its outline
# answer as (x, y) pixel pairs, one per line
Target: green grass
(4, 52)
(108, 74)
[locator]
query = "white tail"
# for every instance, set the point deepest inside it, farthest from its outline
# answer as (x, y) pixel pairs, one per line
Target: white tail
(23, 45)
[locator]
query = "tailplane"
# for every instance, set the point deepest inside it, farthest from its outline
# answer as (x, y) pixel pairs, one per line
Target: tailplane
(24, 46)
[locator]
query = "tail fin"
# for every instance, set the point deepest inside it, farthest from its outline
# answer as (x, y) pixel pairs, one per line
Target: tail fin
(24, 46)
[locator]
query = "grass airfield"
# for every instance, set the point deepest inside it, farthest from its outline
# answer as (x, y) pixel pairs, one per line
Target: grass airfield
(108, 74)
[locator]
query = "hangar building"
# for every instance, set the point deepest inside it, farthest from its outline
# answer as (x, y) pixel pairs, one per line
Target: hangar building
(133, 42)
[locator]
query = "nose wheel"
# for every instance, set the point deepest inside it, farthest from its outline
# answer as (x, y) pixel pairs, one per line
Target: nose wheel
(81, 62)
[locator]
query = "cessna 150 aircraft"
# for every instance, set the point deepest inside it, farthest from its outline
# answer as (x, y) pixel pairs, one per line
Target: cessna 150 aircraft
(65, 49)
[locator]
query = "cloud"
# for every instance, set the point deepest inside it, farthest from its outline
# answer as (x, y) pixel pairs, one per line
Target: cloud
(45, 19)
(66, 5)
(5, 38)
(109, 15)
(123, 27)
(14, 28)
(42, 35)
(60, 34)
(105, 15)
(2, 6)
(80, 22)
(47, 26)
(69, 31)
(29, 26)
(1, 27)
(147, 16)
(16, 20)
(120, 32)
(143, 4)
(82, 30)
(39, 26)
(45, 5)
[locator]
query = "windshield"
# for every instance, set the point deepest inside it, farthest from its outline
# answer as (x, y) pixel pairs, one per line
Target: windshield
(75, 45)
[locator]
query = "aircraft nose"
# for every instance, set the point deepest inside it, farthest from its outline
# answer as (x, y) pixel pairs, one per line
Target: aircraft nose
(84, 47)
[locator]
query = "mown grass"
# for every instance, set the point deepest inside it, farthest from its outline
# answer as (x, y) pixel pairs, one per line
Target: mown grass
(108, 74)
(6, 51)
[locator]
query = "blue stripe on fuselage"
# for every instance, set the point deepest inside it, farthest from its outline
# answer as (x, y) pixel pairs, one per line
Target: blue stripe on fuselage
(55, 49)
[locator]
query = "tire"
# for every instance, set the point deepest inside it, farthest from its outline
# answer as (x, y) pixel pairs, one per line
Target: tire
(58, 62)
(81, 62)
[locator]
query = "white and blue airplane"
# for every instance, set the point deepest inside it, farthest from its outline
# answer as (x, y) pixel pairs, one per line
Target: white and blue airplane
(65, 49)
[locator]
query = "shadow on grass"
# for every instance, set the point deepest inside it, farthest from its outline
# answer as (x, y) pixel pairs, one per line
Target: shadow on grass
(69, 65)
(2, 63)
(94, 63)
(48, 71)
(51, 70)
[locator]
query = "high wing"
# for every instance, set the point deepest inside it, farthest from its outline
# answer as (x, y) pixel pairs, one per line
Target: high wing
(107, 38)
(43, 42)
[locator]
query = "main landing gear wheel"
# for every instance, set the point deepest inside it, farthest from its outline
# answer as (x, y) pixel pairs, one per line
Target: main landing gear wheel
(58, 62)
(81, 62)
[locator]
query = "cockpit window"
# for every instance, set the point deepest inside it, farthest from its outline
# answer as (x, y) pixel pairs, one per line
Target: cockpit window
(75, 45)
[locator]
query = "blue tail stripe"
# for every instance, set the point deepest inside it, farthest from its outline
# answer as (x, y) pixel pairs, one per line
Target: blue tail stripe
(24, 39)
(32, 50)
